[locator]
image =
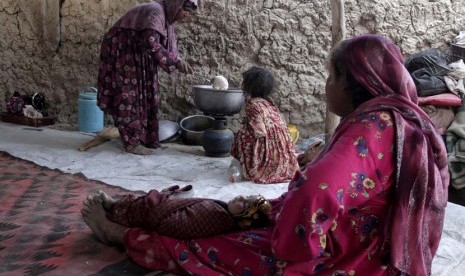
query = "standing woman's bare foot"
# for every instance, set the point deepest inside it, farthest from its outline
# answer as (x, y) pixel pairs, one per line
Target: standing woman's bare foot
(95, 217)
(153, 146)
(140, 150)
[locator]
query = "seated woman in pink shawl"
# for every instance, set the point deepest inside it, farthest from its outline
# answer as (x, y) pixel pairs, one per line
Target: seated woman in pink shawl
(142, 40)
(371, 203)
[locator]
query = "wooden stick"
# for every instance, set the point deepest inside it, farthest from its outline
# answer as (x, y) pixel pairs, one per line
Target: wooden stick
(106, 134)
(338, 33)
(92, 143)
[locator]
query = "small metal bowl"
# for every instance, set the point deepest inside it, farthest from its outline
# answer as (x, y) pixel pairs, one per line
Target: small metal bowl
(193, 127)
(167, 130)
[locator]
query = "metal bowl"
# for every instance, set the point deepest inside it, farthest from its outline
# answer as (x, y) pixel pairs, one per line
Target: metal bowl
(193, 127)
(221, 102)
(167, 129)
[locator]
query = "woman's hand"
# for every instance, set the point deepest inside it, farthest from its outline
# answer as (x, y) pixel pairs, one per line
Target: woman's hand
(184, 67)
(310, 154)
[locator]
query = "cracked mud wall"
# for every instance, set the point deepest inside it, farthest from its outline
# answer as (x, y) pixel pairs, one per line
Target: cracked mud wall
(52, 47)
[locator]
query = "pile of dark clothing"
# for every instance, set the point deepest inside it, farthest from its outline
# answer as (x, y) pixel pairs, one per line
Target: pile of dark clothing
(32, 106)
(439, 79)
(439, 83)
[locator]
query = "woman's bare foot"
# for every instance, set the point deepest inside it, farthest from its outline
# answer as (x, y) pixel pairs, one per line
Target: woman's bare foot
(140, 150)
(152, 146)
(107, 200)
(95, 217)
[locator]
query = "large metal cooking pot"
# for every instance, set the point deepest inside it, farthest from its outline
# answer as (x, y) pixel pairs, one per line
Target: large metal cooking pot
(193, 128)
(221, 102)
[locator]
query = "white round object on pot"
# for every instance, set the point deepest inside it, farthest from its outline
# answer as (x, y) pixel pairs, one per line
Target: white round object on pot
(220, 83)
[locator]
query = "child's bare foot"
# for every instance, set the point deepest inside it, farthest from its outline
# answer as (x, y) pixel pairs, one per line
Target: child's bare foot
(140, 150)
(107, 200)
(95, 217)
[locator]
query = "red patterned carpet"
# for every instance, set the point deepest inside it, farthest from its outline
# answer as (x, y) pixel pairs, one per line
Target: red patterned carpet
(41, 229)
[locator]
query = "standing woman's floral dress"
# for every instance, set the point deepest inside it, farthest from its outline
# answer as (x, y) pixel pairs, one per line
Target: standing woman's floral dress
(330, 222)
(130, 54)
(263, 146)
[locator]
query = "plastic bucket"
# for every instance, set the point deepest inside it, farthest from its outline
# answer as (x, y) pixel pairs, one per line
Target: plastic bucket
(294, 132)
(90, 116)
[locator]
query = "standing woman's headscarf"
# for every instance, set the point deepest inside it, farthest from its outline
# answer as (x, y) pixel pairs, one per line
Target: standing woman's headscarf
(159, 16)
(416, 217)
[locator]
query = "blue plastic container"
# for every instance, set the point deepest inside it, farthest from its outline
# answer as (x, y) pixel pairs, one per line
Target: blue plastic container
(90, 116)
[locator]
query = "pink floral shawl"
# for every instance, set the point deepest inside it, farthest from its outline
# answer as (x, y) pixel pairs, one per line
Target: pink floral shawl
(417, 213)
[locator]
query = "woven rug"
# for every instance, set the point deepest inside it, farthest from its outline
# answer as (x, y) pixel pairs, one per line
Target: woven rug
(41, 228)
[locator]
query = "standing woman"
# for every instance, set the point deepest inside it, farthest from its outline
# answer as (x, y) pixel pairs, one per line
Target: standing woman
(131, 52)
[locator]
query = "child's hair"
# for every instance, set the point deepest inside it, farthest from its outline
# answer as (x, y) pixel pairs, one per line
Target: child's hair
(258, 82)
(188, 5)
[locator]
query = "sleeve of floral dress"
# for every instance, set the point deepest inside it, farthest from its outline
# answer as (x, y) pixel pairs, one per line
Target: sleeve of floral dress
(255, 123)
(166, 60)
(349, 174)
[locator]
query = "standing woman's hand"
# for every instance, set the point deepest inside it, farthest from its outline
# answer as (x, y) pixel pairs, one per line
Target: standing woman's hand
(184, 67)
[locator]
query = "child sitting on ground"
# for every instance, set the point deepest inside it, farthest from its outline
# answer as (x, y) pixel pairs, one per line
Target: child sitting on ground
(183, 218)
(263, 146)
